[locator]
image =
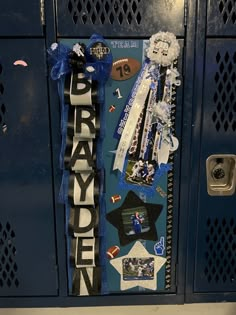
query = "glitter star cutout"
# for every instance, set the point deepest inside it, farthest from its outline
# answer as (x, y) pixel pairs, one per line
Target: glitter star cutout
(141, 256)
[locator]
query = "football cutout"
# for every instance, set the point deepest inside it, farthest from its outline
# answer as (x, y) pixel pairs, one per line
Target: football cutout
(113, 251)
(124, 68)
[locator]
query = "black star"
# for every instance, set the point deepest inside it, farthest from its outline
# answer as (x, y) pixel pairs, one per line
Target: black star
(132, 201)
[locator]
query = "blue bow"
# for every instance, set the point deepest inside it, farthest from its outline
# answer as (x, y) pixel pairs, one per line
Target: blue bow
(59, 59)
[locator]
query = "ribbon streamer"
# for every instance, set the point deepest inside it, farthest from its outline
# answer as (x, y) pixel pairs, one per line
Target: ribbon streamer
(137, 103)
(151, 101)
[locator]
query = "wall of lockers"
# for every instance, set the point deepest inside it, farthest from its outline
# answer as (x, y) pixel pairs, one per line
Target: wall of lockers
(33, 256)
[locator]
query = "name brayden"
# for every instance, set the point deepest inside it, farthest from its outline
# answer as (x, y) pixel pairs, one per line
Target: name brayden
(83, 182)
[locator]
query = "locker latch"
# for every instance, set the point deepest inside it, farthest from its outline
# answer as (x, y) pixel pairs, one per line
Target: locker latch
(221, 174)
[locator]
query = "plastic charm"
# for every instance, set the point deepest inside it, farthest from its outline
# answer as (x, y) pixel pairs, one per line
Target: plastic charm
(113, 251)
(159, 247)
(124, 68)
(20, 63)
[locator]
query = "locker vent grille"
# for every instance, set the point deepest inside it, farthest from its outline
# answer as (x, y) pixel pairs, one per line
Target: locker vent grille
(227, 9)
(221, 251)
(121, 12)
(224, 115)
(8, 266)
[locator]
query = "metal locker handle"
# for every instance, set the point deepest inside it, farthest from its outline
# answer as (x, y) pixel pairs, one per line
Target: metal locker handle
(221, 174)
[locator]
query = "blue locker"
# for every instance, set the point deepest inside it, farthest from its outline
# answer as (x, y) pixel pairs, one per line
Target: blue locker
(27, 236)
(138, 20)
(211, 247)
(216, 223)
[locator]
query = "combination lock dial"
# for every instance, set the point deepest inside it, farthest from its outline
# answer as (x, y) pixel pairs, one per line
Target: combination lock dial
(219, 173)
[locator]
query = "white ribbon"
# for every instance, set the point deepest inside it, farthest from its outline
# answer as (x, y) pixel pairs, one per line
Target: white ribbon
(128, 132)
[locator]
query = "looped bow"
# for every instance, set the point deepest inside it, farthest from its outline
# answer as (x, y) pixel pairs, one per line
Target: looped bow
(59, 58)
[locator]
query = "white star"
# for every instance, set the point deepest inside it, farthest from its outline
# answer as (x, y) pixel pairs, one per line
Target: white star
(138, 251)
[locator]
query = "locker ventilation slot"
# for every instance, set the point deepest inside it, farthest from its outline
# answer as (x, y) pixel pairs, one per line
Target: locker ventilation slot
(221, 251)
(121, 12)
(224, 115)
(8, 266)
(227, 9)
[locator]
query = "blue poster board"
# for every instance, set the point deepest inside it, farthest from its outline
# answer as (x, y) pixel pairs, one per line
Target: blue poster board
(119, 186)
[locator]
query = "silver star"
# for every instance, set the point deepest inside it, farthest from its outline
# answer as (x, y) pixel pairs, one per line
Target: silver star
(138, 251)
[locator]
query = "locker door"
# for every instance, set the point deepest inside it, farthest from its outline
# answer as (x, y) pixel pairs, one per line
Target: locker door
(124, 22)
(21, 18)
(28, 265)
(216, 224)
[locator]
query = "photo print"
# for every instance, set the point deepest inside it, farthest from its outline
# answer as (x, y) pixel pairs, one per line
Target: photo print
(138, 268)
(140, 172)
(135, 220)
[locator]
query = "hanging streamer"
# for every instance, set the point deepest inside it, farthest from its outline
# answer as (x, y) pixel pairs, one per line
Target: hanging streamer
(145, 128)
(82, 73)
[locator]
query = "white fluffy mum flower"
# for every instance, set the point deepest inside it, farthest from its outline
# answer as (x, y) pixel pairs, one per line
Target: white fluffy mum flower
(163, 48)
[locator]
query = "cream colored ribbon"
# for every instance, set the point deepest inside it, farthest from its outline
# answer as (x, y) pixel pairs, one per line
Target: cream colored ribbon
(128, 132)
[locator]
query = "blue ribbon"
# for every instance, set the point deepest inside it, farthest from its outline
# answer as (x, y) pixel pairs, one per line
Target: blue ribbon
(129, 102)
